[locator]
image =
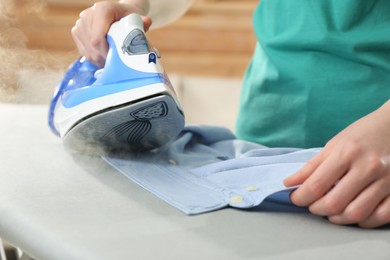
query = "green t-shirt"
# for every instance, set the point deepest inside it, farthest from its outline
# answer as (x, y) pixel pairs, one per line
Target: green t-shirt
(319, 65)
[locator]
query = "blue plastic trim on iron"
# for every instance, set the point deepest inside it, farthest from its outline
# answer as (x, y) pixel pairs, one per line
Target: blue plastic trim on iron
(78, 96)
(115, 70)
(81, 68)
(116, 77)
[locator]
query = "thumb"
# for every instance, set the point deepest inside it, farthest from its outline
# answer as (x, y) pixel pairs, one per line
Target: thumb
(147, 22)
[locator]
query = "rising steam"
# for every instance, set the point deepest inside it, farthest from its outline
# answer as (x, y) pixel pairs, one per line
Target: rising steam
(25, 75)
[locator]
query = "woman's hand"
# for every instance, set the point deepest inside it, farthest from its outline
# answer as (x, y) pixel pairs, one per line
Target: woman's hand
(90, 30)
(349, 180)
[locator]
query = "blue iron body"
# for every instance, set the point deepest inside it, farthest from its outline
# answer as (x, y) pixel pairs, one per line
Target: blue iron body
(129, 104)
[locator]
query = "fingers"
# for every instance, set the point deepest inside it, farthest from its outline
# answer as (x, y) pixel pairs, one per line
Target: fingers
(89, 32)
(147, 22)
(345, 191)
(356, 180)
(349, 181)
(327, 171)
(380, 217)
(100, 21)
(76, 31)
(365, 206)
(89, 37)
(304, 173)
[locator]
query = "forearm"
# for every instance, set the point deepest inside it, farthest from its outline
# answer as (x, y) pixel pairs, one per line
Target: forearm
(386, 107)
(144, 5)
(162, 12)
(383, 113)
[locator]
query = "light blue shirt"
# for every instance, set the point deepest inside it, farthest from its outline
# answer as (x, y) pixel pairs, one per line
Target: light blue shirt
(206, 168)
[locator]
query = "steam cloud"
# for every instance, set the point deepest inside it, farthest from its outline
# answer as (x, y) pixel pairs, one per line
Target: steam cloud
(26, 75)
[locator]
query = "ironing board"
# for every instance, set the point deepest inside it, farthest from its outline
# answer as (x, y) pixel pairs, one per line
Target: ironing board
(54, 205)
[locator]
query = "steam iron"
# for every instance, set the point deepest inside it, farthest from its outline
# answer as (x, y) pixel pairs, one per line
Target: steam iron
(129, 104)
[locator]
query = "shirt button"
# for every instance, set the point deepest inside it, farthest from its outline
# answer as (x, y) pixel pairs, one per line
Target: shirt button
(251, 188)
(236, 199)
(172, 162)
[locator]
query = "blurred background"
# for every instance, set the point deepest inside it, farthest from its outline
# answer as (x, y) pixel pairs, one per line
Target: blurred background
(214, 38)
(205, 52)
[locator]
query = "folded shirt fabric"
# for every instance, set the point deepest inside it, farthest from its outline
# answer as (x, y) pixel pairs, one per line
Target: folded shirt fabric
(206, 168)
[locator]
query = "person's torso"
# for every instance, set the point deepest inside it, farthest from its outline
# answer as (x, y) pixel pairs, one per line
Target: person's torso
(319, 66)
